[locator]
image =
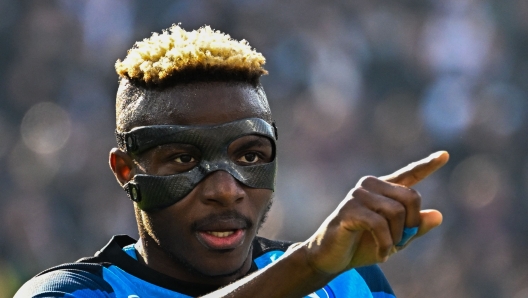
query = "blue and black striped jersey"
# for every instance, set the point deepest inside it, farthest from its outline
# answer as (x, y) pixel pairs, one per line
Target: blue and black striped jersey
(115, 272)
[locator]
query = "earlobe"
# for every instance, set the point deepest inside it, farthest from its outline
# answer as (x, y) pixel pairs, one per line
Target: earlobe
(122, 165)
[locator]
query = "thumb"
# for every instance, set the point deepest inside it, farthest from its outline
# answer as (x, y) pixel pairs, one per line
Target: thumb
(430, 219)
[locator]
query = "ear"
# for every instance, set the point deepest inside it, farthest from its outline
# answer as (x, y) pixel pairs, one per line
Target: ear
(122, 165)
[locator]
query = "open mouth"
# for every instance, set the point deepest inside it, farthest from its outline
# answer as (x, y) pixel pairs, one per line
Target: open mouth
(222, 240)
(220, 234)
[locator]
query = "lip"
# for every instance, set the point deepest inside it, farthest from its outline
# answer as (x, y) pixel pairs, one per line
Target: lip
(219, 241)
(222, 232)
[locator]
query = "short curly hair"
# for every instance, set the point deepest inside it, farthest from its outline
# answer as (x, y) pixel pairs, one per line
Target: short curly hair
(177, 55)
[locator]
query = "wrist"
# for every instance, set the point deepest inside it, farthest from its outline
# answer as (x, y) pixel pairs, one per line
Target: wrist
(314, 276)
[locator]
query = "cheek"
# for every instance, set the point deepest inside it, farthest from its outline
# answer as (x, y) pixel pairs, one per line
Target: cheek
(260, 200)
(147, 164)
(165, 225)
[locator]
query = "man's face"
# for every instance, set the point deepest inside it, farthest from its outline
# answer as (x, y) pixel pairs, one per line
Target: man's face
(209, 232)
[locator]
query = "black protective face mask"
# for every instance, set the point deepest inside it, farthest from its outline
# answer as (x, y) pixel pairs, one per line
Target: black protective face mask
(157, 192)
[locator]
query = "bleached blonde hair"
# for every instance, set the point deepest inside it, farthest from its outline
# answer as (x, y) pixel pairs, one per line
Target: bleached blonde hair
(180, 55)
(177, 57)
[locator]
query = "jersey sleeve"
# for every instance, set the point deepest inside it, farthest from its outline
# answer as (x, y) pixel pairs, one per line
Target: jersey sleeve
(79, 281)
(376, 281)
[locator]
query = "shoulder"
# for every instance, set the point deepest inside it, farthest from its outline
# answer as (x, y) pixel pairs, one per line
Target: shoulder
(85, 278)
(376, 281)
(68, 280)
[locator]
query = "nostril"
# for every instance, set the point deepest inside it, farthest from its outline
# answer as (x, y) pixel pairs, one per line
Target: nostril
(222, 188)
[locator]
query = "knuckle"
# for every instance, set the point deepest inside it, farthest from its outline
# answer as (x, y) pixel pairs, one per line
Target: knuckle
(385, 247)
(397, 210)
(414, 198)
(378, 224)
(410, 197)
(351, 209)
(358, 192)
(367, 181)
(413, 192)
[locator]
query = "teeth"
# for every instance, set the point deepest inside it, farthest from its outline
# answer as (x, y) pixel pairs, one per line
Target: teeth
(220, 234)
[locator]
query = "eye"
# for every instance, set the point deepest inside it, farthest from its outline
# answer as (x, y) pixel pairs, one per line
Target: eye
(251, 150)
(184, 158)
(249, 158)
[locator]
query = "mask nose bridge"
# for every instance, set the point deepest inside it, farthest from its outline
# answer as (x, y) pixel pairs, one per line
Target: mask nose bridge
(215, 155)
(220, 164)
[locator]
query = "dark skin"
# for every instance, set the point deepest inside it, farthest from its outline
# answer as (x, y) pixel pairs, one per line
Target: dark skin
(168, 242)
(363, 230)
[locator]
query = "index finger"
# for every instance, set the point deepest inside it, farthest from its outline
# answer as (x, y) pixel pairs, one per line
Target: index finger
(418, 170)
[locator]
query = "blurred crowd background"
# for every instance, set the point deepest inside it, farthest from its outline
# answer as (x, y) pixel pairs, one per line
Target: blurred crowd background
(357, 87)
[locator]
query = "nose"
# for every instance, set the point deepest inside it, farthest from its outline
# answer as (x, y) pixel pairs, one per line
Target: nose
(221, 188)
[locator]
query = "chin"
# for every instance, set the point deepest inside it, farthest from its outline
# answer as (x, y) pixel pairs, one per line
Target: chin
(216, 264)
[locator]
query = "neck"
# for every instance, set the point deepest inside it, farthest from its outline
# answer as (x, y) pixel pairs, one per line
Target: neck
(153, 256)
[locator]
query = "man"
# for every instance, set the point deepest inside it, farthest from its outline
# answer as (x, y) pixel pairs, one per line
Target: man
(196, 155)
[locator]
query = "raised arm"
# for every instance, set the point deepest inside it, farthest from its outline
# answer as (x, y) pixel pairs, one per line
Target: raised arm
(365, 229)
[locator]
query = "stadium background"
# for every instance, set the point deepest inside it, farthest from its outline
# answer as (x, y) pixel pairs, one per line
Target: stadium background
(357, 87)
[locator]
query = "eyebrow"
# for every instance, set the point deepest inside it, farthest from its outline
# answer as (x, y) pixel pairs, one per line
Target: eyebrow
(177, 146)
(259, 141)
(173, 146)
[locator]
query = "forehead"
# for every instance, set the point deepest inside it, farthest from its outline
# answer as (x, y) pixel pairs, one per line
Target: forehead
(204, 103)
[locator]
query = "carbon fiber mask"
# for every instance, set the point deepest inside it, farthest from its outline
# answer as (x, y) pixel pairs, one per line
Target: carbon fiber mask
(157, 192)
